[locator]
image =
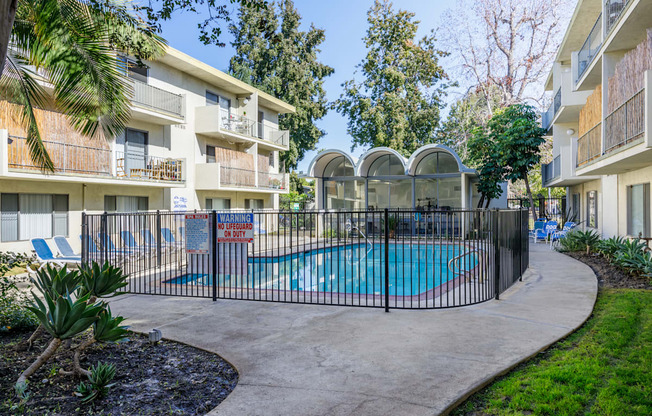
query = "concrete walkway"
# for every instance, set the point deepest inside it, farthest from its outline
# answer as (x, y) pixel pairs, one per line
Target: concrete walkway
(326, 360)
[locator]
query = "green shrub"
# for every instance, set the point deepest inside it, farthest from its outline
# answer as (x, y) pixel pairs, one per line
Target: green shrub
(14, 316)
(578, 240)
(633, 258)
(570, 242)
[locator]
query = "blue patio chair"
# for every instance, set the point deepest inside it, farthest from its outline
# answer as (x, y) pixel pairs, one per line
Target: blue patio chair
(558, 235)
(63, 247)
(130, 242)
(148, 238)
(110, 247)
(550, 227)
(169, 239)
(44, 254)
(538, 225)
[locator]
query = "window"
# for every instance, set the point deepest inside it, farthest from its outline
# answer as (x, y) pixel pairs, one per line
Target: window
(576, 208)
(386, 165)
(218, 203)
(271, 159)
(261, 125)
(254, 204)
(439, 162)
(592, 209)
(133, 70)
(212, 98)
(638, 210)
(210, 154)
(26, 216)
(119, 203)
(338, 167)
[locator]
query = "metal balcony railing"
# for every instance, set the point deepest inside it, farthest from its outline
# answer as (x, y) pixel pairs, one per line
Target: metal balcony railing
(589, 146)
(137, 166)
(157, 99)
(590, 48)
(551, 171)
(626, 123)
(67, 158)
(549, 115)
(269, 180)
(248, 127)
(613, 10)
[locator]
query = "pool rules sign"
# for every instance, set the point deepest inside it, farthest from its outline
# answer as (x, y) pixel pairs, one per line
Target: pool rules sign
(197, 233)
(235, 228)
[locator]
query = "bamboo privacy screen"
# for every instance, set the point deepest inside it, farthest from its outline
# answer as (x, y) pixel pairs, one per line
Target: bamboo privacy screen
(69, 150)
(628, 77)
(237, 168)
(591, 113)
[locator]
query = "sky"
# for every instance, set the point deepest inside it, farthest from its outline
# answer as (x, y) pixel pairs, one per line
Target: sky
(344, 23)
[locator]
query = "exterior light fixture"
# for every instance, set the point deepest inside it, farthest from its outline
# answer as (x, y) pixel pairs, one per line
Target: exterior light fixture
(570, 132)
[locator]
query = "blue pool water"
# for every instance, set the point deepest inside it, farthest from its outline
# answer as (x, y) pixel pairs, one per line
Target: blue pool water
(356, 269)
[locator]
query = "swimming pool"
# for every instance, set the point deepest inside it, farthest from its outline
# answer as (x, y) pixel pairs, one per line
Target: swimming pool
(352, 269)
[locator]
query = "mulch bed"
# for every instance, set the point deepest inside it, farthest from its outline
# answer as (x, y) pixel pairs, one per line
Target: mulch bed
(611, 276)
(162, 378)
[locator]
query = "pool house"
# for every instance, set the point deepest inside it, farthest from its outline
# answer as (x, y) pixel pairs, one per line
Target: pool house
(434, 177)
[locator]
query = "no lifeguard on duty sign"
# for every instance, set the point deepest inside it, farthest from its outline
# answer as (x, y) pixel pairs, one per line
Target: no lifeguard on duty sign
(235, 228)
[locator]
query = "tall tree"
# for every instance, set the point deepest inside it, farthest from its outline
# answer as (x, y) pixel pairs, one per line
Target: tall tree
(508, 147)
(508, 44)
(398, 102)
(71, 45)
(275, 55)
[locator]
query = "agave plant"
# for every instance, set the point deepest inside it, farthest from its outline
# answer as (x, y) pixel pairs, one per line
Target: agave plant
(102, 281)
(106, 329)
(56, 282)
(99, 382)
(63, 318)
(633, 258)
(610, 246)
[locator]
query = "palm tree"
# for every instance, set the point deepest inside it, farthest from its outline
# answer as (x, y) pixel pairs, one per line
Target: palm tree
(70, 47)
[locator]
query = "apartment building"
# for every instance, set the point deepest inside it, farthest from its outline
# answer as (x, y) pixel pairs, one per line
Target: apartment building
(601, 116)
(197, 139)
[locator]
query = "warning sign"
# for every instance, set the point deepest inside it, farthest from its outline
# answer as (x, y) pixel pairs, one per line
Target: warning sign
(197, 233)
(235, 228)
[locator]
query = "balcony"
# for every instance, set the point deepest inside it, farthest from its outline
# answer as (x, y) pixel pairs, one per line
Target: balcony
(626, 124)
(217, 122)
(549, 115)
(79, 162)
(589, 145)
(215, 176)
(589, 49)
(551, 171)
(613, 10)
(156, 105)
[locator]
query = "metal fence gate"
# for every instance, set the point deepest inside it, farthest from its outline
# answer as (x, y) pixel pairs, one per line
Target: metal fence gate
(384, 258)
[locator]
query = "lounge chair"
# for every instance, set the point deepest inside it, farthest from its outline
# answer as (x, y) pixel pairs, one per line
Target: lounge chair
(169, 239)
(538, 225)
(130, 242)
(550, 227)
(63, 247)
(45, 256)
(558, 235)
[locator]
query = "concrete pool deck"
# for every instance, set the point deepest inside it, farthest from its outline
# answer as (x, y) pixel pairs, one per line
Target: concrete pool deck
(326, 360)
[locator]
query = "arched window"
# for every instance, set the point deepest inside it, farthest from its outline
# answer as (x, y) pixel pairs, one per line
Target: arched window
(386, 165)
(338, 167)
(437, 162)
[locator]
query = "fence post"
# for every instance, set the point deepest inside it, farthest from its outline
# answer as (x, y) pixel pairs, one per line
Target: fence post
(213, 248)
(158, 238)
(84, 244)
(496, 238)
(105, 236)
(520, 246)
(386, 230)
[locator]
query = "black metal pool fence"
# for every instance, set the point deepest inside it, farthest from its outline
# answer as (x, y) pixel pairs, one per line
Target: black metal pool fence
(408, 259)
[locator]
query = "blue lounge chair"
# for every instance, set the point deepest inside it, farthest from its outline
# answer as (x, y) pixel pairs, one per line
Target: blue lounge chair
(538, 225)
(169, 239)
(130, 242)
(64, 247)
(550, 227)
(148, 238)
(558, 235)
(45, 256)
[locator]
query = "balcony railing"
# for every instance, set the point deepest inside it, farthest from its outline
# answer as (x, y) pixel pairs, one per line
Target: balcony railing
(549, 115)
(590, 48)
(269, 180)
(626, 123)
(138, 166)
(551, 171)
(157, 99)
(589, 146)
(613, 10)
(248, 127)
(67, 158)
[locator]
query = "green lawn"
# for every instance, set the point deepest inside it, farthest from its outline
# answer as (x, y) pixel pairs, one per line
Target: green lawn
(605, 368)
